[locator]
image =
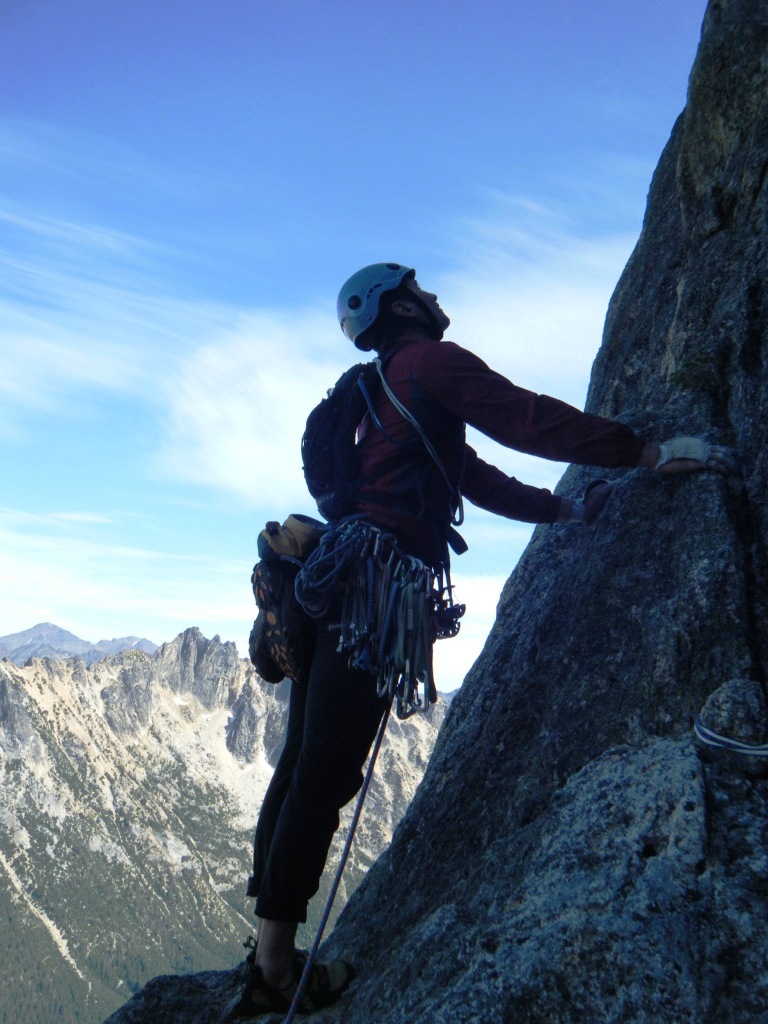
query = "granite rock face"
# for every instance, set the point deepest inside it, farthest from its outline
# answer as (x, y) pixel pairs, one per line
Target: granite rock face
(572, 855)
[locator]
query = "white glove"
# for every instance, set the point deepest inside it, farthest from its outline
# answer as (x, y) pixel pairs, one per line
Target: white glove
(694, 449)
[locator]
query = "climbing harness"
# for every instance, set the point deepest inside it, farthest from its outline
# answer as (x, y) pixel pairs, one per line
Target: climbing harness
(715, 739)
(309, 963)
(391, 608)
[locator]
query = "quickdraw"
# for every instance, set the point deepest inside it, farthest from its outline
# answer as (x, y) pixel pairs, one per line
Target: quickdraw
(392, 608)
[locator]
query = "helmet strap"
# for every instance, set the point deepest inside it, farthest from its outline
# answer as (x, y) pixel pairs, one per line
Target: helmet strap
(432, 327)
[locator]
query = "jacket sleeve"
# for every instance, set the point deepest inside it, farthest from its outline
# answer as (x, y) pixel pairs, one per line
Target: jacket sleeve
(489, 488)
(520, 419)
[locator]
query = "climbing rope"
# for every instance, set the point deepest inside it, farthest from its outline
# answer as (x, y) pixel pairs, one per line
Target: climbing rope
(715, 739)
(309, 963)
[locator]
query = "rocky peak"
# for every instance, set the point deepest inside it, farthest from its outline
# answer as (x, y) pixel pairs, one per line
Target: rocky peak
(206, 668)
(258, 727)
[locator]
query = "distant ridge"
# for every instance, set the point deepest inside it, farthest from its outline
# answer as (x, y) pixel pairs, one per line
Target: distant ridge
(46, 640)
(129, 789)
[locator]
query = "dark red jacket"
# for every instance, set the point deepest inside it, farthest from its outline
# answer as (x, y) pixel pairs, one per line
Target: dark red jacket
(446, 387)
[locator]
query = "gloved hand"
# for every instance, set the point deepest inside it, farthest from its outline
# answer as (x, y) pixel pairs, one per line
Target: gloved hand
(589, 507)
(692, 454)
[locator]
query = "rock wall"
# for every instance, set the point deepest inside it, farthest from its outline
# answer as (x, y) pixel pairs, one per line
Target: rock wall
(570, 856)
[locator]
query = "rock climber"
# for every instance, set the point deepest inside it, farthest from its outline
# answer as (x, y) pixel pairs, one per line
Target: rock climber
(334, 717)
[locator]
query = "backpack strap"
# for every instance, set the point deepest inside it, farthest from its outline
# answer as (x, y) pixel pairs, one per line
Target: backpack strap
(457, 517)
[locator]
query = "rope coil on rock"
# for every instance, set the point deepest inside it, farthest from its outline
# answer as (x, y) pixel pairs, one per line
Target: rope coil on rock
(714, 739)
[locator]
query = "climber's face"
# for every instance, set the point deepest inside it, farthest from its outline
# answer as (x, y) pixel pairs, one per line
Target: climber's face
(425, 307)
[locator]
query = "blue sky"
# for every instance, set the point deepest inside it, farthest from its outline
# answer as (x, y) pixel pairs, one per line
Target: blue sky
(184, 186)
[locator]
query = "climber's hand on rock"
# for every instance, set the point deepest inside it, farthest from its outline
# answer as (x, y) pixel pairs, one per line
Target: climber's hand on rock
(589, 507)
(720, 460)
(595, 497)
(688, 455)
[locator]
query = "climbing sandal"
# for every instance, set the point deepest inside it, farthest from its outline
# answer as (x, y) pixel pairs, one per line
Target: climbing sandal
(327, 982)
(251, 944)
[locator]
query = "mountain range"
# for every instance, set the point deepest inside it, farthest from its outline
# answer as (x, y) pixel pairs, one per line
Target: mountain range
(45, 640)
(129, 788)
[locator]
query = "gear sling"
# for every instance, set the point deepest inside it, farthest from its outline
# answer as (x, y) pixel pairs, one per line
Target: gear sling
(393, 606)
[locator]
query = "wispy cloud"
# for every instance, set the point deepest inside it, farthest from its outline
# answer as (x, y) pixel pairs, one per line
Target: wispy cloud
(53, 571)
(531, 304)
(530, 295)
(82, 517)
(81, 318)
(60, 236)
(88, 163)
(237, 406)
(227, 391)
(231, 387)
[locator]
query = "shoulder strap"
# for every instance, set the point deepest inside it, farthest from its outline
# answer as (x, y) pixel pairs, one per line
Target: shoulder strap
(457, 518)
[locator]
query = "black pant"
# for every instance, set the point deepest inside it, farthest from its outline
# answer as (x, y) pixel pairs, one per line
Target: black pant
(332, 723)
